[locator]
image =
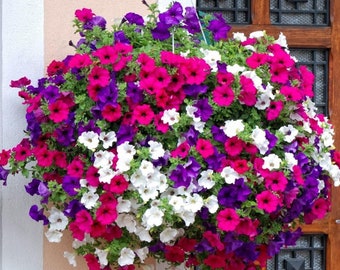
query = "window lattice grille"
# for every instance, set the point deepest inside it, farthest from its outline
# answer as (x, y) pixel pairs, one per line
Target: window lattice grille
(234, 11)
(310, 248)
(300, 12)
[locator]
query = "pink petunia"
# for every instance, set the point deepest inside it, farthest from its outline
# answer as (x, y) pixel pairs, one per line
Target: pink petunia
(204, 147)
(274, 110)
(106, 213)
(225, 78)
(279, 73)
(195, 70)
(181, 151)
(267, 201)
(248, 91)
(84, 220)
(223, 95)
(174, 254)
(76, 168)
(117, 185)
(227, 219)
(44, 156)
(233, 146)
(80, 61)
(291, 93)
(240, 166)
(106, 54)
(92, 262)
(22, 151)
(92, 176)
(112, 113)
(143, 114)
(215, 261)
(276, 181)
(4, 157)
(248, 227)
(84, 14)
(256, 60)
(59, 111)
(99, 76)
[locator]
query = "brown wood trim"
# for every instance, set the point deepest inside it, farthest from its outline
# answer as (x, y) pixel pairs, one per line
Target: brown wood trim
(260, 12)
(296, 35)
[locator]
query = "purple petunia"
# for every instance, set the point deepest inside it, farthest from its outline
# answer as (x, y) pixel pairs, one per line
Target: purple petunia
(191, 21)
(204, 109)
(219, 28)
(173, 16)
(3, 175)
(95, 21)
(71, 185)
(134, 18)
(161, 32)
(38, 214)
(180, 177)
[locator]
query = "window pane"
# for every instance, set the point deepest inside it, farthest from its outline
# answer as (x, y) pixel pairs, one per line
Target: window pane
(300, 12)
(317, 61)
(234, 11)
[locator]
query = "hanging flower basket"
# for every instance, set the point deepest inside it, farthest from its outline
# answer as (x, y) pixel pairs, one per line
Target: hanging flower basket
(174, 138)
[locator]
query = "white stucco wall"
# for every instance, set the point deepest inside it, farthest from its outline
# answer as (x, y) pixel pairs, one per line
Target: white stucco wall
(22, 55)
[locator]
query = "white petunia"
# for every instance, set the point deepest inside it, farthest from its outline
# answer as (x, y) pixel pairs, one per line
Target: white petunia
(127, 257)
(143, 234)
(168, 235)
(152, 217)
(235, 69)
(206, 179)
(271, 162)
(282, 41)
(53, 236)
(142, 253)
(170, 117)
(106, 175)
(239, 36)
(126, 151)
(103, 159)
(146, 168)
(147, 193)
(262, 102)
(137, 179)
(211, 57)
(193, 203)
(291, 160)
(126, 221)
(123, 206)
(162, 183)
(188, 217)
(259, 139)
(177, 203)
(156, 150)
(57, 219)
(212, 204)
(289, 133)
(123, 164)
(233, 127)
(229, 175)
(257, 34)
(71, 258)
(108, 138)
(102, 256)
(89, 199)
(327, 139)
(90, 139)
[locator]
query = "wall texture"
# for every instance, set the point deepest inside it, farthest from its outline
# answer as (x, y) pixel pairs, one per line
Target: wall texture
(22, 54)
